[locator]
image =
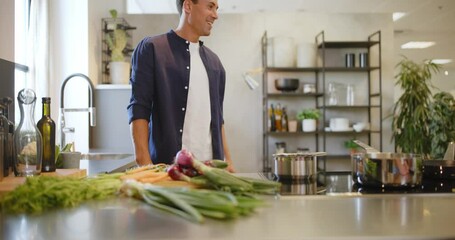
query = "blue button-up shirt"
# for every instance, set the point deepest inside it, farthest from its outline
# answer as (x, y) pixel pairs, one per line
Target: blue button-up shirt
(160, 80)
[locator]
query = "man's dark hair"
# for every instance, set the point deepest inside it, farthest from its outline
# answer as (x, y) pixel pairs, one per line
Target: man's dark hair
(179, 4)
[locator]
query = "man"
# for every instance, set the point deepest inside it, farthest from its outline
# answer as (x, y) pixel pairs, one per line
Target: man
(178, 91)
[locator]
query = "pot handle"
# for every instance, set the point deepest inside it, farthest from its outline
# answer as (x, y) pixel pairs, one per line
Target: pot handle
(368, 148)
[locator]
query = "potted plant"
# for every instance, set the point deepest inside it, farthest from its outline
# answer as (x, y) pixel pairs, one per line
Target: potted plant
(116, 40)
(309, 118)
(442, 124)
(411, 113)
(351, 146)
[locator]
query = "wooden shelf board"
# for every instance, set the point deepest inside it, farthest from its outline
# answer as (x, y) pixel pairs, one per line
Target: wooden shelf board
(10, 182)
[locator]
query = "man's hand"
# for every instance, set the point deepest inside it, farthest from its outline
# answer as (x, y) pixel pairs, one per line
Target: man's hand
(230, 168)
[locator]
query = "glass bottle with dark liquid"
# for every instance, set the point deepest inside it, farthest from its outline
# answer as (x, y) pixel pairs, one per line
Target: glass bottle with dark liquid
(46, 127)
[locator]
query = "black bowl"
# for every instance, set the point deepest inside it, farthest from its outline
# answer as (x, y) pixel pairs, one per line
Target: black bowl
(287, 84)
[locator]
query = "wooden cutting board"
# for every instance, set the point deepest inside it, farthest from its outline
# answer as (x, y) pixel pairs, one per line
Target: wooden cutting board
(11, 182)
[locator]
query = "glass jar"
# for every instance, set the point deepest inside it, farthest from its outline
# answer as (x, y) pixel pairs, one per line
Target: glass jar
(333, 97)
(27, 138)
(350, 95)
(68, 139)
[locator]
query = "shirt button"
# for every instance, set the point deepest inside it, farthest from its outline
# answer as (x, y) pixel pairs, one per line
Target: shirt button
(187, 67)
(183, 109)
(186, 42)
(181, 130)
(187, 50)
(186, 87)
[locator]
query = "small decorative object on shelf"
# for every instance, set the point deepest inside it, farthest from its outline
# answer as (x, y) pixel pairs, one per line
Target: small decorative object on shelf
(116, 47)
(309, 119)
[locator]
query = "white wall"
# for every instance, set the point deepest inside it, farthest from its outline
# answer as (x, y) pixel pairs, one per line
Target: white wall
(7, 30)
(76, 37)
(236, 39)
(444, 82)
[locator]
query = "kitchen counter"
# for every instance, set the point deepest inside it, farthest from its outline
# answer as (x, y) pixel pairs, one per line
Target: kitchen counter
(310, 217)
(332, 215)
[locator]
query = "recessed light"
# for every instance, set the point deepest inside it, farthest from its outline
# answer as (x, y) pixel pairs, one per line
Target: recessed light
(446, 73)
(398, 15)
(441, 61)
(410, 45)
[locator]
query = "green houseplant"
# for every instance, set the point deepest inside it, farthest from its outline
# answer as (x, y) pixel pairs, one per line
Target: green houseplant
(442, 124)
(411, 113)
(309, 119)
(116, 40)
(351, 146)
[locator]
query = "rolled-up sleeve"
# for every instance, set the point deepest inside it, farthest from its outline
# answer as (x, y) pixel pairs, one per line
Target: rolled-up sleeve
(142, 81)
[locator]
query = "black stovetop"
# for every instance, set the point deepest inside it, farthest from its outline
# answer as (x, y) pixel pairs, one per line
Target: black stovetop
(336, 183)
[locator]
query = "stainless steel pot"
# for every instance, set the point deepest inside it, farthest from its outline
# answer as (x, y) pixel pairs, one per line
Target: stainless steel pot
(296, 166)
(304, 187)
(382, 169)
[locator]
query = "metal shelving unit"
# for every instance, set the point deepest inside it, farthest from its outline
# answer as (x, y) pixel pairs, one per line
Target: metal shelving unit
(374, 99)
(319, 98)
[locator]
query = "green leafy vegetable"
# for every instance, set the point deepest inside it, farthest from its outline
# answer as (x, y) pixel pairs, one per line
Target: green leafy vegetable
(371, 168)
(43, 193)
(58, 158)
(193, 204)
(217, 178)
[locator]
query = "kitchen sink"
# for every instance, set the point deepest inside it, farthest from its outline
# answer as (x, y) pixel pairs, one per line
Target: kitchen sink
(105, 156)
(96, 163)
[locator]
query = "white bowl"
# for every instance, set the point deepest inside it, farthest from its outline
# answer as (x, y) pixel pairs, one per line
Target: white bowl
(339, 124)
(358, 127)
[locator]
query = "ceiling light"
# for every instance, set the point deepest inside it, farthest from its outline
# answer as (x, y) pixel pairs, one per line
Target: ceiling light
(446, 73)
(398, 15)
(409, 45)
(441, 61)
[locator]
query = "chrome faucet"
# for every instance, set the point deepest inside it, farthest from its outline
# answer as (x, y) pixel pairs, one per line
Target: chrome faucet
(91, 109)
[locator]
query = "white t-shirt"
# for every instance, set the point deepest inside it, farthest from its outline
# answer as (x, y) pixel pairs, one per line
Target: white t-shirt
(197, 137)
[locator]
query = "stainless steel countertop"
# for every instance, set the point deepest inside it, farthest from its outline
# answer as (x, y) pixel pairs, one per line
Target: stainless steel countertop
(411, 216)
(335, 215)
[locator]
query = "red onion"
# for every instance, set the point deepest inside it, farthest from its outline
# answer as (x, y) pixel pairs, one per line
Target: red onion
(184, 158)
(175, 173)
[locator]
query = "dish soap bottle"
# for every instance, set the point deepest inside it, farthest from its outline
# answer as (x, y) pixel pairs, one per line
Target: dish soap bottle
(46, 127)
(27, 138)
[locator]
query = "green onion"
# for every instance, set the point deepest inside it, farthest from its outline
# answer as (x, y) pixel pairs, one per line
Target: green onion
(193, 204)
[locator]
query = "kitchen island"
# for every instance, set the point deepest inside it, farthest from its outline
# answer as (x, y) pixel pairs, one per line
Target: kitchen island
(307, 217)
(332, 215)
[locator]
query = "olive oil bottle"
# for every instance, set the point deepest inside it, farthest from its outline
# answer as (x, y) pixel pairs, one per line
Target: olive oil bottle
(46, 127)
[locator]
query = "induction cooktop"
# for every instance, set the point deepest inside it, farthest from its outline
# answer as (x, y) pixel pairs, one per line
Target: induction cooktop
(342, 183)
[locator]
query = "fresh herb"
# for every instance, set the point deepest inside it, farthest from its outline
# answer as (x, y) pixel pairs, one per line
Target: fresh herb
(58, 158)
(350, 144)
(42, 193)
(371, 168)
(308, 114)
